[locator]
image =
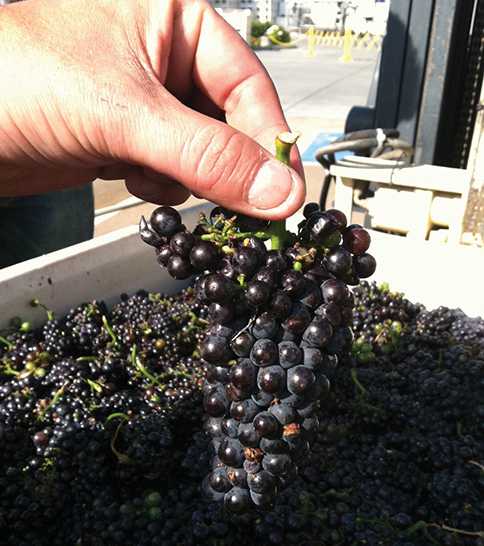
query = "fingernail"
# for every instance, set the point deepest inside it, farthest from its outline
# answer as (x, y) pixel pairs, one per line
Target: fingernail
(272, 185)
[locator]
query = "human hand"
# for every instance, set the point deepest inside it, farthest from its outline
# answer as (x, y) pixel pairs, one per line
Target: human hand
(139, 89)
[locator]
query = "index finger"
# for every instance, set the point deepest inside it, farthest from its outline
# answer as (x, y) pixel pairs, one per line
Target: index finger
(237, 82)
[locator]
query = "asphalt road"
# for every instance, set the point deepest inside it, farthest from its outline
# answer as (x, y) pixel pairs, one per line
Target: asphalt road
(320, 87)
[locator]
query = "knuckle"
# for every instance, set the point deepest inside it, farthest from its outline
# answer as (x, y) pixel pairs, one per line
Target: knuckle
(221, 158)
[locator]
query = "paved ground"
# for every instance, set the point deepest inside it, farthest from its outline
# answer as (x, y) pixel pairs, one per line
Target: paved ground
(316, 94)
(322, 86)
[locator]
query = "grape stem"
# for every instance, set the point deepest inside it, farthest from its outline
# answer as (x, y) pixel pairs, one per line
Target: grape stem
(277, 230)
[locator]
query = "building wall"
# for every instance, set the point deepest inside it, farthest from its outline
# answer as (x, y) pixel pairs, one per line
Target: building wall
(264, 10)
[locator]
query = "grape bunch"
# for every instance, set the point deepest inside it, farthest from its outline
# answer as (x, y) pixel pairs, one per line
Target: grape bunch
(279, 319)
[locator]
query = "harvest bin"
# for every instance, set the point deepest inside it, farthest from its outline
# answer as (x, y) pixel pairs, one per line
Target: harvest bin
(431, 273)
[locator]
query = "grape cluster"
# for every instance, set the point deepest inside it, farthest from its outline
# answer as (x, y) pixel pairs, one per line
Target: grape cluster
(278, 320)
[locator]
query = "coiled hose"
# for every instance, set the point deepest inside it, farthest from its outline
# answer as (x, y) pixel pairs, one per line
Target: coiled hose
(381, 143)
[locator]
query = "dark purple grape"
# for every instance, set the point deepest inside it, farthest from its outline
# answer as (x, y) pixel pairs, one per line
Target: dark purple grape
(332, 241)
(267, 275)
(338, 217)
(334, 290)
(178, 267)
(289, 354)
(219, 481)
(346, 316)
(284, 413)
(215, 404)
(243, 374)
(231, 453)
(356, 239)
(309, 409)
(313, 358)
(230, 427)
(215, 349)
(262, 399)
(350, 278)
(330, 311)
(219, 330)
(213, 426)
(182, 242)
(204, 255)
(364, 265)
(209, 493)
(227, 269)
(300, 380)
(218, 288)
(275, 259)
(281, 305)
(257, 245)
(242, 343)
(293, 283)
(276, 445)
(248, 436)
(237, 500)
(262, 482)
(271, 379)
(298, 320)
(339, 261)
(341, 341)
(221, 313)
(264, 352)
(258, 293)
(310, 208)
(237, 477)
(218, 374)
(39, 439)
(246, 260)
(318, 333)
(244, 410)
(318, 273)
(164, 255)
(148, 235)
(265, 326)
(311, 297)
(266, 425)
(320, 226)
(277, 464)
(252, 467)
(234, 394)
(165, 221)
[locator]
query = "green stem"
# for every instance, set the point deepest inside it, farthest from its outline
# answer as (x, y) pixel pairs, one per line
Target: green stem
(7, 343)
(284, 143)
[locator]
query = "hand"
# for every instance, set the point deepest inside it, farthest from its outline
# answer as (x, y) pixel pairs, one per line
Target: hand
(139, 89)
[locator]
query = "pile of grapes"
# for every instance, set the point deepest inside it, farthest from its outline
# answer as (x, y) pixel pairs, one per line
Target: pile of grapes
(104, 441)
(244, 410)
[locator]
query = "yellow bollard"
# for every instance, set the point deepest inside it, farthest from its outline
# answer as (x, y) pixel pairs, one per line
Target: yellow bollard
(347, 43)
(311, 51)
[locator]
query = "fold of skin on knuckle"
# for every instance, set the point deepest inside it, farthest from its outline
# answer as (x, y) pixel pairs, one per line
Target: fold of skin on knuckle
(221, 166)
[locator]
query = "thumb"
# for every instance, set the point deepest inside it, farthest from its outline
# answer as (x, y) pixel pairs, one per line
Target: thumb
(217, 162)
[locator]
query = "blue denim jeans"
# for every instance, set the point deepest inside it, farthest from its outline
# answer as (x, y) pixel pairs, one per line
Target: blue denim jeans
(38, 224)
